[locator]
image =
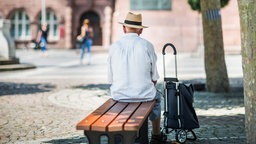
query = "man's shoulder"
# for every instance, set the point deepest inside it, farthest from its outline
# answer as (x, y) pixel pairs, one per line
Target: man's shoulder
(146, 42)
(140, 40)
(115, 44)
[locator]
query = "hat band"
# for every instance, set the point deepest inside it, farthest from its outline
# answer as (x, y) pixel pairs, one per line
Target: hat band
(132, 22)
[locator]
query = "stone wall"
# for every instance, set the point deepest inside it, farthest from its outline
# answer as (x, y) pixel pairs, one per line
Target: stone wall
(180, 26)
(68, 13)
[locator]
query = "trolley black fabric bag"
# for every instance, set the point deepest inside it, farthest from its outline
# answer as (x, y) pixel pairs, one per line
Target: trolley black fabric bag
(181, 113)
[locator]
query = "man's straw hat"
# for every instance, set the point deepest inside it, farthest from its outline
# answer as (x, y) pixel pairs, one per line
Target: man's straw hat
(133, 20)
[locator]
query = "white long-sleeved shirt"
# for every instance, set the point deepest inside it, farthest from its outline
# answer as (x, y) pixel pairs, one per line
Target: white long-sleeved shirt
(132, 68)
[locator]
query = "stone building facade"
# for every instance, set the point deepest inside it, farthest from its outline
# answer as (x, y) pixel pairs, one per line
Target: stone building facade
(64, 18)
(180, 25)
(168, 20)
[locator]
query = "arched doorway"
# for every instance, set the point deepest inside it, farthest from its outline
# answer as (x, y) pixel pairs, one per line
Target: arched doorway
(95, 24)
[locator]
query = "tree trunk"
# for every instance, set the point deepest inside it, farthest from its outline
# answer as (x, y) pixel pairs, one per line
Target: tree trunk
(247, 14)
(214, 57)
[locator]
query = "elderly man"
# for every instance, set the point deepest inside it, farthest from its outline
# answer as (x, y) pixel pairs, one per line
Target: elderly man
(132, 70)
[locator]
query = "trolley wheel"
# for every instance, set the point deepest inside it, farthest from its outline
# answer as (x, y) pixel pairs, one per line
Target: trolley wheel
(191, 135)
(164, 137)
(181, 136)
(163, 134)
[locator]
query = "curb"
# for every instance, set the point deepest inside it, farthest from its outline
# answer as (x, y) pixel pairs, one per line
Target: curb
(12, 67)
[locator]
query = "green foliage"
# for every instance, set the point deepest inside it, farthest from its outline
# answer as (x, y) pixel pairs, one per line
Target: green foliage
(195, 4)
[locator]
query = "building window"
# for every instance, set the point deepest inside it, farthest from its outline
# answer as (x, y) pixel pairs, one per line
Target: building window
(150, 4)
(52, 22)
(20, 26)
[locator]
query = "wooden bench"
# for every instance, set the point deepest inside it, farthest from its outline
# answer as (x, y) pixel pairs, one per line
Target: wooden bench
(118, 121)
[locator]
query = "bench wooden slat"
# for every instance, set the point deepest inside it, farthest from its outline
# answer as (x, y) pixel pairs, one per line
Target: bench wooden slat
(118, 123)
(85, 124)
(102, 123)
(137, 119)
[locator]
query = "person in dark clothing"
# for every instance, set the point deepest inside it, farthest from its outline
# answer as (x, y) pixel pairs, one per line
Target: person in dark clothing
(86, 38)
(42, 38)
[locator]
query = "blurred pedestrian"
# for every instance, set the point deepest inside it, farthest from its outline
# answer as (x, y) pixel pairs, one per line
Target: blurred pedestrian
(85, 38)
(132, 71)
(42, 38)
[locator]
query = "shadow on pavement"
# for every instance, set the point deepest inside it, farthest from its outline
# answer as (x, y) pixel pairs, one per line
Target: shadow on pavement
(11, 88)
(225, 129)
(236, 84)
(224, 120)
(94, 86)
(71, 140)
(228, 101)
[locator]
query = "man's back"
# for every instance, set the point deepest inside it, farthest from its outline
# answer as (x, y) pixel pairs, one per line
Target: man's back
(133, 73)
(132, 68)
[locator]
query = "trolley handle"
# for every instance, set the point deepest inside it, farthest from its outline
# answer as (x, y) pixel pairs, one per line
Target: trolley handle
(175, 54)
(173, 47)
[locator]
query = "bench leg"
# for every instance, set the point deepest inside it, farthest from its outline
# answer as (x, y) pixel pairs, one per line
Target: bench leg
(143, 134)
(93, 137)
(127, 137)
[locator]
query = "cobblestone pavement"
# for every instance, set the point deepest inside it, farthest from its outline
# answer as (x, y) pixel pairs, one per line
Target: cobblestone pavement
(47, 109)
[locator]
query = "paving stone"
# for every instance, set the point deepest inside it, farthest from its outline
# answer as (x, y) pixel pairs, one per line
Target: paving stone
(36, 109)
